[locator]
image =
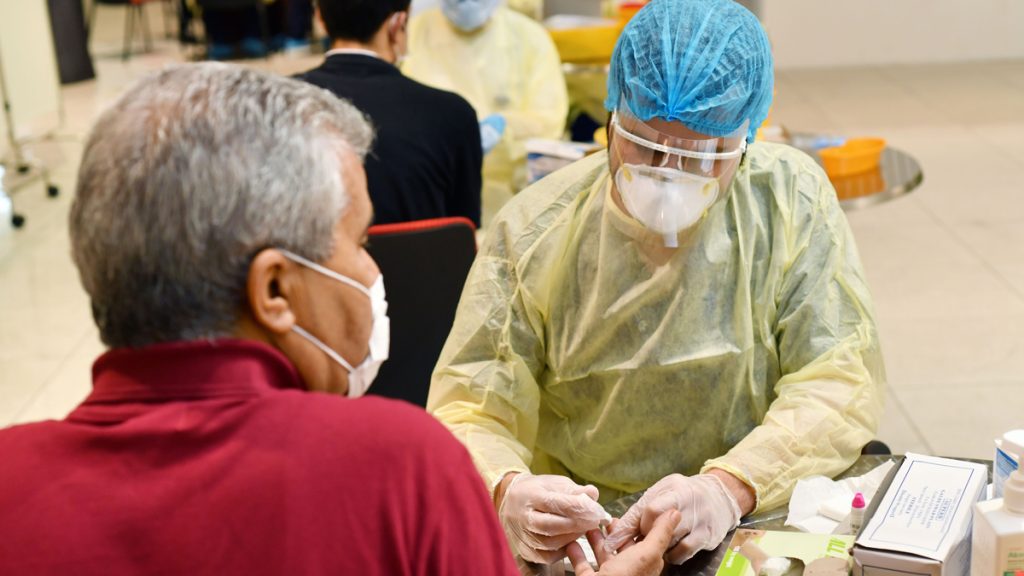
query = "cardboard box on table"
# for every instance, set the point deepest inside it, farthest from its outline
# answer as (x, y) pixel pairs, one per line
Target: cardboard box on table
(920, 520)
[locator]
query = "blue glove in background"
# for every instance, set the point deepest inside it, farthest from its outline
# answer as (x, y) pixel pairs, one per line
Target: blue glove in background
(491, 129)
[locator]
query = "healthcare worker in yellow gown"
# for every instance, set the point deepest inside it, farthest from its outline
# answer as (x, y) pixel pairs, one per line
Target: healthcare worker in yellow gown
(507, 67)
(685, 314)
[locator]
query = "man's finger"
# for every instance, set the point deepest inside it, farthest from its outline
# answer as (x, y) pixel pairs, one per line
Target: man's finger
(646, 555)
(596, 540)
(663, 529)
(580, 565)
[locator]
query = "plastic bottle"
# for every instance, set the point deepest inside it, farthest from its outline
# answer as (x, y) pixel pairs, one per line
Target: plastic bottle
(997, 542)
(1006, 460)
(857, 513)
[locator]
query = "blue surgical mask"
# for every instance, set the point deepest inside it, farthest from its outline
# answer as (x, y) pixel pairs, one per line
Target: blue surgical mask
(359, 377)
(468, 15)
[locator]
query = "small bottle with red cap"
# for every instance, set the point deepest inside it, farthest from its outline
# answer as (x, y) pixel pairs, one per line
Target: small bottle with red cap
(857, 513)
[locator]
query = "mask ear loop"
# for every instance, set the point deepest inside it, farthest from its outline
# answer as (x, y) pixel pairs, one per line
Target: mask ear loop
(326, 272)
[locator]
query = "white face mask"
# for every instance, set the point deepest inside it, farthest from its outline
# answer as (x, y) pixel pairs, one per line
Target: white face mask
(666, 200)
(468, 15)
(359, 377)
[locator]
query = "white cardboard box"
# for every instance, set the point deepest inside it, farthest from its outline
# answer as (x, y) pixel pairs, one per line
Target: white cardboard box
(922, 524)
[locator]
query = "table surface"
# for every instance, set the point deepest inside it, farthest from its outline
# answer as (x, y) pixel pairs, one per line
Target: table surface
(706, 563)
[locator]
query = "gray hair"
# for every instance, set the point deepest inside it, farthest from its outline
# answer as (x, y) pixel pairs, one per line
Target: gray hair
(186, 178)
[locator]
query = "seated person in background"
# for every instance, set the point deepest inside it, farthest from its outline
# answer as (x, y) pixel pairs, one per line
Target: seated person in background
(507, 67)
(223, 255)
(289, 23)
(426, 160)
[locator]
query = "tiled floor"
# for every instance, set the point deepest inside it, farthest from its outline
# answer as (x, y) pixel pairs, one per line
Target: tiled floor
(946, 263)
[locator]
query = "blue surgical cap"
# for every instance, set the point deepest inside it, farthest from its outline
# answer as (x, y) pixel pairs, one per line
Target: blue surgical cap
(704, 63)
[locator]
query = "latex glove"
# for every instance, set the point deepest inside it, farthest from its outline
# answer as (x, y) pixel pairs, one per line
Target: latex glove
(491, 130)
(543, 514)
(708, 509)
(642, 558)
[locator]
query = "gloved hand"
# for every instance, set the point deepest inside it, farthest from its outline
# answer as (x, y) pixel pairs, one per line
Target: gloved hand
(543, 514)
(708, 509)
(491, 130)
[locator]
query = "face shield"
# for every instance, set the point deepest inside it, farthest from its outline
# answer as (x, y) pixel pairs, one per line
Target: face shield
(668, 178)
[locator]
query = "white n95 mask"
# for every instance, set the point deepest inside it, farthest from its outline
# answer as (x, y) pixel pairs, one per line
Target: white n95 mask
(359, 377)
(665, 200)
(668, 182)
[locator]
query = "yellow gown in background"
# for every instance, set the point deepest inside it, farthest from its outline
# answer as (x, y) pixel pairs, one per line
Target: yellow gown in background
(532, 8)
(510, 67)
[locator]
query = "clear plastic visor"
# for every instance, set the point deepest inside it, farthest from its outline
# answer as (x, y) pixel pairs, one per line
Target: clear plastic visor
(636, 142)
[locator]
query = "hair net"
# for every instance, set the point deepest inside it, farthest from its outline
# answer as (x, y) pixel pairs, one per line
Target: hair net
(705, 63)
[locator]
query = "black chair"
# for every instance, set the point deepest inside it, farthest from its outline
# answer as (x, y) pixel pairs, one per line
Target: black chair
(134, 10)
(425, 264)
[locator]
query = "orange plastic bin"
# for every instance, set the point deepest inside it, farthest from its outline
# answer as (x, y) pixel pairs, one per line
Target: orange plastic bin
(856, 156)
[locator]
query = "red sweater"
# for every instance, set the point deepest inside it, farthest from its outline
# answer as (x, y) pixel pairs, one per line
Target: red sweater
(209, 458)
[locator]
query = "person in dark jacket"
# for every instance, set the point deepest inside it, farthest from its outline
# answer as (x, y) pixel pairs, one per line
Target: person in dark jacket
(426, 161)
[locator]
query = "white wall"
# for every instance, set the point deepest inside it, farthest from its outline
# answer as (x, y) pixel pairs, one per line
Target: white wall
(29, 67)
(828, 33)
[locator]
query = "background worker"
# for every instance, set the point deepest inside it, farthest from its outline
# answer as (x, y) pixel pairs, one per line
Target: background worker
(507, 67)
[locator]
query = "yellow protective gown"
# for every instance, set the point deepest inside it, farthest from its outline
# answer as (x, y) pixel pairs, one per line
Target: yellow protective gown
(532, 8)
(578, 350)
(510, 67)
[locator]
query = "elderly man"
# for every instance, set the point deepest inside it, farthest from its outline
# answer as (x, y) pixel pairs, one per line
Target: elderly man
(685, 315)
(218, 228)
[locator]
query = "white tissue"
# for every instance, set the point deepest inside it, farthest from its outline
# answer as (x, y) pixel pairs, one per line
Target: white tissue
(818, 494)
(837, 508)
(775, 567)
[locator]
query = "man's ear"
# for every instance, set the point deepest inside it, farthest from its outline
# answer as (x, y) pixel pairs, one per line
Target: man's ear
(398, 23)
(273, 280)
